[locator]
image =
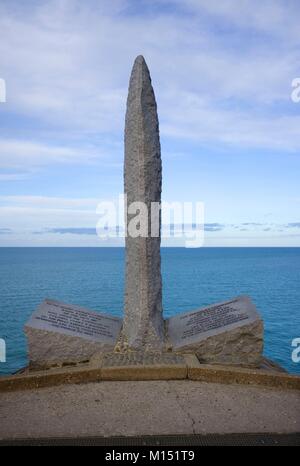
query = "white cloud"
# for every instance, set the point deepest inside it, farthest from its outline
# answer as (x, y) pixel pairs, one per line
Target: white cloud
(37, 213)
(278, 18)
(222, 75)
(20, 154)
(207, 123)
(13, 176)
(68, 62)
(46, 202)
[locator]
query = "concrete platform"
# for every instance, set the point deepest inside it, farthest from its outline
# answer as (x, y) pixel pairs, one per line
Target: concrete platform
(136, 408)
(166, 367)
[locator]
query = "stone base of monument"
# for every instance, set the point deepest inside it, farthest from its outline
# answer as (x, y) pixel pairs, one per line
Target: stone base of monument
(143, 366)
(230, 332)
(60, 333)
(226, 333)
(112, 367)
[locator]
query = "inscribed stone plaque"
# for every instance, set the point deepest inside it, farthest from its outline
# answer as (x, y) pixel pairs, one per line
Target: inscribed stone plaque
(229, 332)
(185, 329)
(60, 333)
(75, 321)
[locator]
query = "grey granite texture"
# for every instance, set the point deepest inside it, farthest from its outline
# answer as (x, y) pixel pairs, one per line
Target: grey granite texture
(60, 333)
(143, 322)
(226, 333)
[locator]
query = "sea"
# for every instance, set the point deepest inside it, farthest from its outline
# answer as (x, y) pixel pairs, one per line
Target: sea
(192, 278)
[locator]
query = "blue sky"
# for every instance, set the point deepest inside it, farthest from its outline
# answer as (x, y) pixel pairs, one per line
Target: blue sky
(222, 74)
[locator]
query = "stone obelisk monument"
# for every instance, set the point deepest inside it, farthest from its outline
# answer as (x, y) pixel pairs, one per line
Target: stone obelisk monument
(143, 327)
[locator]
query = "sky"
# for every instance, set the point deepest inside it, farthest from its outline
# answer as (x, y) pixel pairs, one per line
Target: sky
(222, 74)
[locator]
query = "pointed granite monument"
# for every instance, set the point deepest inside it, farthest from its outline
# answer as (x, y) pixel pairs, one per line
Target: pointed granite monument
(230, 332)
(143, 326)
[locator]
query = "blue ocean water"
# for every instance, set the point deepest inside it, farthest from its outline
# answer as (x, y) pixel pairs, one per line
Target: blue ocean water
(94, 278)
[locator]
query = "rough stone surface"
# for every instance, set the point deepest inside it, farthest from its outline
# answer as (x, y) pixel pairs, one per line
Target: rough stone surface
(142, 359)
(47, 349)
(62, 333)
(226, 333)
(143, 366)
(143, 322)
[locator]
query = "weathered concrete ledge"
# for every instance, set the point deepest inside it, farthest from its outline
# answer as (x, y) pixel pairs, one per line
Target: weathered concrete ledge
(189, 369)
(234, 375)
(154, 407)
